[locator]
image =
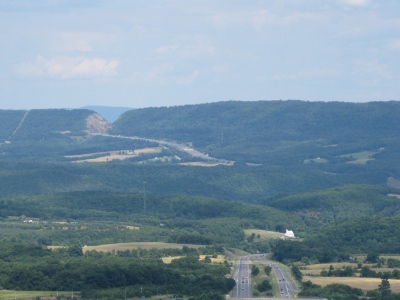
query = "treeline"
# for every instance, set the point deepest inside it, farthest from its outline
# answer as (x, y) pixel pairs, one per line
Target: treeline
(180, 219)
(342, 203)
(25, 267)
(339, 241)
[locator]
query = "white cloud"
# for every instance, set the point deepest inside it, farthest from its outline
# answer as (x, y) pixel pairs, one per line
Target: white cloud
(260, 18)
(80, 41)
(373, 69)
(393, 44)
(305, 74)
(68, 67)
(188, 49)
(166, 49)
(355, 2)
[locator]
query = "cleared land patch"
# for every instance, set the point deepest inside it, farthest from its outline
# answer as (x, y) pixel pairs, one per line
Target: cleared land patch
(264, 234)
(205, 164)
(365, 284)
(316, 160)
(11, 295)
(219, 259)
(112, 155)
(360, 157)
(138, 245)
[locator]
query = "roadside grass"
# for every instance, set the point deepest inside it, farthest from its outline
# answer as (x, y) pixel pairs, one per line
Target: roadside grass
(264, 234)
(365, 284)
(256, 280)
(138, 245)
(12, 295)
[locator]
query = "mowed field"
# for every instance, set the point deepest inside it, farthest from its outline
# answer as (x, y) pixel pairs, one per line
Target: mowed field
(264, 234)
(219, 259)
(11, 295)
(365, 284)
(138, 245)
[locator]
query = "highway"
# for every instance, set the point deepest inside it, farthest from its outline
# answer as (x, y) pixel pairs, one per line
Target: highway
(286, 287)
(243, 279)
(181, 147)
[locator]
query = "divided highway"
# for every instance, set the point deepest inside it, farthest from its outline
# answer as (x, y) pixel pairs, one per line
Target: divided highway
(242, 277)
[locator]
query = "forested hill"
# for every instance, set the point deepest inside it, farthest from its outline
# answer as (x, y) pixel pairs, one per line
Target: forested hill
(41, 124)
(346, 202)
(261, 131)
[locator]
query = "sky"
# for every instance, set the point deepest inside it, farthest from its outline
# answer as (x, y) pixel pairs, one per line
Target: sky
(145, 53)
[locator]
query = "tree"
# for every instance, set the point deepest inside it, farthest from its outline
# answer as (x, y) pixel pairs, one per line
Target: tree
(264, 286)
(297, 273)
(255, 270)
(384, 287)
(372, 257)
(267, 270)
(75, 250)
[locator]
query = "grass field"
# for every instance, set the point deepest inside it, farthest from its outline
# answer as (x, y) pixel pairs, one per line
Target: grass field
(316, 160)
(113, 155)
(264, 234)
(316, 269)
(25, 295)
(168, 259)
(360, 157)
(365, 284)
(138, 245)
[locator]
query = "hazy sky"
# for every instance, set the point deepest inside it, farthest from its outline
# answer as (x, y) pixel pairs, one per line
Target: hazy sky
(140, 53)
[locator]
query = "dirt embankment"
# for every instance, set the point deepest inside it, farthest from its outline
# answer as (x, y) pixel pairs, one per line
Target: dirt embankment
(96, 124)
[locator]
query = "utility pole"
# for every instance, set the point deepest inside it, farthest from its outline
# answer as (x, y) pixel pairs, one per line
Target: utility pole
(144, 197)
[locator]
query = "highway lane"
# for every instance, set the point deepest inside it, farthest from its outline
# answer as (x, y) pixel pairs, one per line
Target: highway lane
(286, 287)
(243, 279)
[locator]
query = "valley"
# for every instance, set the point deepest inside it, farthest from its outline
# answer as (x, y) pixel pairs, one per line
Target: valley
(170, 197)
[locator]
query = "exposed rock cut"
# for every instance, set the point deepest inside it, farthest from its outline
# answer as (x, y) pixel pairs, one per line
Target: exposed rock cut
(96, 124)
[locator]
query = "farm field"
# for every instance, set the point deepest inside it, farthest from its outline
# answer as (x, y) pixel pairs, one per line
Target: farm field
(316, 160)
(112, 155)
(360, 157)
(315, 270)
(138, 245)
(25, 295)
(365, 284)
(264, 234)
(168, 259)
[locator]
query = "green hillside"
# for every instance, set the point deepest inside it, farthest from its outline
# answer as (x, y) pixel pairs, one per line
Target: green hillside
(269, 132)
(9, 121)
(342, 203)
(52, 124)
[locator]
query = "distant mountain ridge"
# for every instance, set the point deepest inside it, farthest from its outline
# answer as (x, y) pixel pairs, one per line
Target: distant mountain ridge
(264, 131)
